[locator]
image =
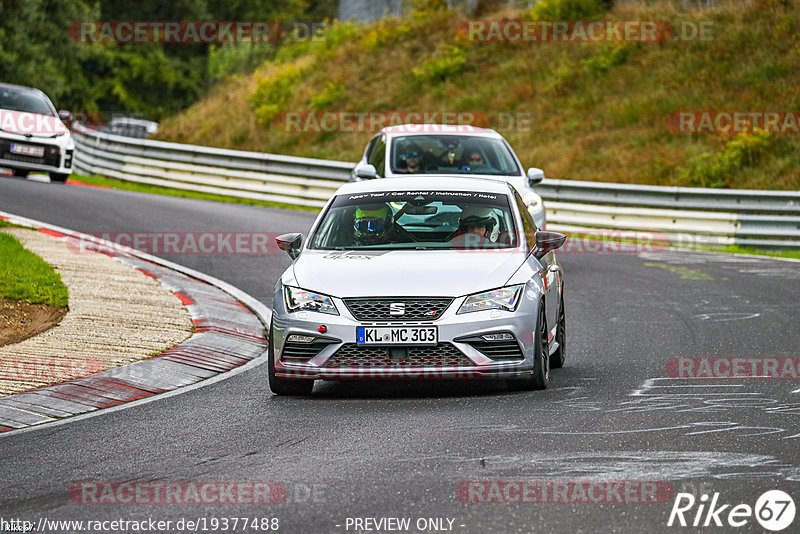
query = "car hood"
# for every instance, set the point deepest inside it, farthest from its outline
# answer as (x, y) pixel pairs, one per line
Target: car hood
(30, 124)
(447, 273)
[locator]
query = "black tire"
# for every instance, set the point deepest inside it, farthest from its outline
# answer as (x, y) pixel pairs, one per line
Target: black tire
(558, 358)
(285, 386)
(56, 177)
(20, 173)
(540, 378)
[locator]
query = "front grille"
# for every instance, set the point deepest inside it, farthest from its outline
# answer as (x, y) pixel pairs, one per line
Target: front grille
(302, 352)
(442, 355)
(415, 309)
(52, 155)
(498, 350)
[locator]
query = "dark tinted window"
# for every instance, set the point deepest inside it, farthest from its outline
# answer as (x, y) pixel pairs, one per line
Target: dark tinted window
(27, 101)
(377, 155)
(452, 154)
(529, 227)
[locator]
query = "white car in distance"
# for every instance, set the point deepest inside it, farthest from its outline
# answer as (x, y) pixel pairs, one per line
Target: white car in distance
(429, 150)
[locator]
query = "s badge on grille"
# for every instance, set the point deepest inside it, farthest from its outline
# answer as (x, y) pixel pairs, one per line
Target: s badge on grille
(397, 308)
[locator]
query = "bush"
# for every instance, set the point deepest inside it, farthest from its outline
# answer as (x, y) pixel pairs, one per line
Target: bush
(569, 9)
(716, 170)
(332, 93)
(609, 56)
(237, 58)
(444, 63)
(272, 94)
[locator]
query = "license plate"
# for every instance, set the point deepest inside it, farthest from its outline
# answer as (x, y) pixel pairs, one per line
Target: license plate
(27, 150)
(396, 335)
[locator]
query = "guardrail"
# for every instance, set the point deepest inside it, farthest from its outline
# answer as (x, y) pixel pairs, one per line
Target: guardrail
(706, 217)
(300, 181)
(703, 216)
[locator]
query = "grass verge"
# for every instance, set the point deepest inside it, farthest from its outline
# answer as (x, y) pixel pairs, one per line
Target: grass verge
(6, 224)
(26, 276)
(736, 249)
(158, 190)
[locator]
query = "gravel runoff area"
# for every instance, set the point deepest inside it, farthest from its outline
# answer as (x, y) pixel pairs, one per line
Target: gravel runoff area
(117, 315)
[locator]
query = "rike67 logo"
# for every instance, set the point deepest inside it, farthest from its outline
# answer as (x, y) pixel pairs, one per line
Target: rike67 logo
(774, 510)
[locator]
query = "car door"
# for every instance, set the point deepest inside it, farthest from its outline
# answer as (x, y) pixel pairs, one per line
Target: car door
(547, 267)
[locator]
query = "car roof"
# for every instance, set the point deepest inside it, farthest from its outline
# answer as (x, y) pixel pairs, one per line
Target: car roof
(427, 182)
(442, 129)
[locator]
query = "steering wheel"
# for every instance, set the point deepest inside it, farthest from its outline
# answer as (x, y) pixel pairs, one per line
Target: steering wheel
(396, 227)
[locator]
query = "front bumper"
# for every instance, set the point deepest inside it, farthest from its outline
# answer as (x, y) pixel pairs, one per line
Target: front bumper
(58, 153)
(456, 338)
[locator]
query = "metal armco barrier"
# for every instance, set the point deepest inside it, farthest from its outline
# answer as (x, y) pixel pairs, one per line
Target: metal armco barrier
(299, 181)
(706, 217)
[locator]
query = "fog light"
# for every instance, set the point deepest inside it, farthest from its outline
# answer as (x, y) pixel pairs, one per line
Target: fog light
(297, 338)
(498, 337)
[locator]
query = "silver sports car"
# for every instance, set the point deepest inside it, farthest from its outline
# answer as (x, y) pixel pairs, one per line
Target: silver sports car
(396, 281)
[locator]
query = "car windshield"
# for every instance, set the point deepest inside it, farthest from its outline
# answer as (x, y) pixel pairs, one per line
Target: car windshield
(446, 220)
(452, 154)
(27, 101)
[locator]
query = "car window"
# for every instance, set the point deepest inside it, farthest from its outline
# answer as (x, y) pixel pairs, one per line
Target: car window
(528, 225)
(452, 154)
(26, 101)
(370, 146)
(377, 155)
(415, 220)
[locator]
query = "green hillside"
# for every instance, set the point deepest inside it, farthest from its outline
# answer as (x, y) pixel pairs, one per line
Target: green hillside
(600, 110)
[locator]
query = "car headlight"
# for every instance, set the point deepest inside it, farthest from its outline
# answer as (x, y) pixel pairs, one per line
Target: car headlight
(506, 298)
(299, 299)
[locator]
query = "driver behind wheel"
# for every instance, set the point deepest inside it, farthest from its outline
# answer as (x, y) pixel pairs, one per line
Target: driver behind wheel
(412, 160)
(373, 224)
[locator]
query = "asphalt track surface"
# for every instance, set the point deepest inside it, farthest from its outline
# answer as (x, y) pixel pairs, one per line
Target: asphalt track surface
(375, 449)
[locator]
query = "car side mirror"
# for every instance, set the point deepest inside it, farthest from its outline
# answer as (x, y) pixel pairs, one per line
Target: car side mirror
(290, 243)
(548, 241)
(366, 172)
(535, 176)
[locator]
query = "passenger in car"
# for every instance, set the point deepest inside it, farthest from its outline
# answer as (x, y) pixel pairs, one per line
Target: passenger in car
(475, 226)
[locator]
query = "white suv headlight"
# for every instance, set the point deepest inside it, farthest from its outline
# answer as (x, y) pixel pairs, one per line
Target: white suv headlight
(506, 298)
(299, 299)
